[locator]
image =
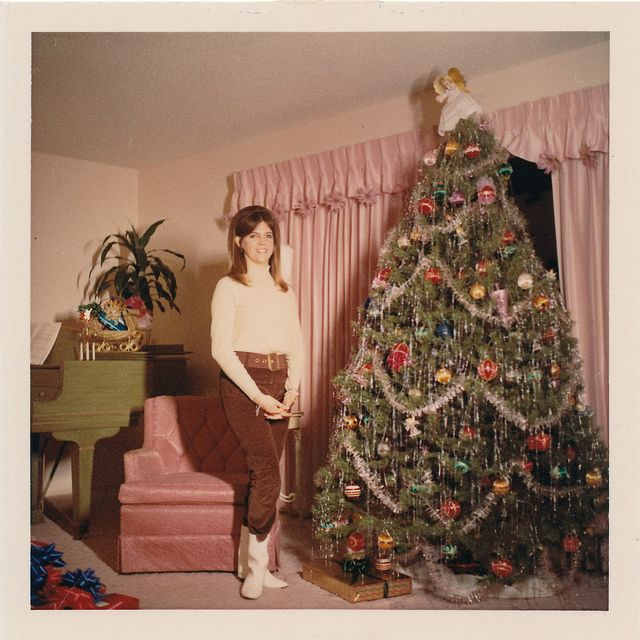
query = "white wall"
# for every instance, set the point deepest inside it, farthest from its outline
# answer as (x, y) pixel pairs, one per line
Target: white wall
(194, 192)
(74, 205)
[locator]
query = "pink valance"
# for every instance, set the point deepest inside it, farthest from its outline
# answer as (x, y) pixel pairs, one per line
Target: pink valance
(573, 125)
(360, 173)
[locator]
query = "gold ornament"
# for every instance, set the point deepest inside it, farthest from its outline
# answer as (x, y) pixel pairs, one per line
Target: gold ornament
(477, 291)
(594, 478)
(541, 303)
(501, 487)
(450, 148)
(385, 541)
(554, 370)
(350, 422)
(443, 375)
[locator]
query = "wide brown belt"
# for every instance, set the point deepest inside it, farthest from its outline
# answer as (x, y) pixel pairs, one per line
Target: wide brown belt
(271, 361)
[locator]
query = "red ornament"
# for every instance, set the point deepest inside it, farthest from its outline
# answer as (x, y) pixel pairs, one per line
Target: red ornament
(399, 356)
(539, 442)
(467, 432)
(501, 568)
(366, 369)
(571, 453)
(508, 237)
(549, 335)
(487, 194)
(451, 509)
(571, 543)
(433, 275)
(481, 267)
(488, 370)
(355, 542)
(472, 151)
(383, 274)
(427, 206)
(527, 465)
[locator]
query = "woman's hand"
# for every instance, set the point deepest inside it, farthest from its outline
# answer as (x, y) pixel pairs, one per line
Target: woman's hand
(289, 398)
(271, 407)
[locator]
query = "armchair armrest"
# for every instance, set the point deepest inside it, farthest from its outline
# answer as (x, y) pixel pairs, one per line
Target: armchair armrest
(140, 464)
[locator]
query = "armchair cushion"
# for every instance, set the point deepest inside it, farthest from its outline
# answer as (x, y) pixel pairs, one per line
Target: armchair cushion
(189, 487)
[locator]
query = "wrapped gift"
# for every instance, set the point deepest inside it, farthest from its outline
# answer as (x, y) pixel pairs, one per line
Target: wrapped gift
(356, 587)
(79, 589)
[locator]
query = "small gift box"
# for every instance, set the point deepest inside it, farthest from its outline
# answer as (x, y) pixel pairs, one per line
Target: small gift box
(356, 587)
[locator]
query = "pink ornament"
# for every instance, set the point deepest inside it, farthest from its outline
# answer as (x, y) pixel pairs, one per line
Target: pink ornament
(501, 298)
(456, 199)
(429, 158)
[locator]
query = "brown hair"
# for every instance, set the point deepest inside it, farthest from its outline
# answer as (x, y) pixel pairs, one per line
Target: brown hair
(242, 224)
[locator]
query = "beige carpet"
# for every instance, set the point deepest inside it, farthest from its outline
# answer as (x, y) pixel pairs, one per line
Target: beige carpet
(216, 590)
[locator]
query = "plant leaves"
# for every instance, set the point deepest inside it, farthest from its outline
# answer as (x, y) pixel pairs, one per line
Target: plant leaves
(146, 236)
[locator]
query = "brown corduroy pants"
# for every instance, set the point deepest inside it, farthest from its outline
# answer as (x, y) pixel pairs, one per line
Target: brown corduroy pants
(262, 441)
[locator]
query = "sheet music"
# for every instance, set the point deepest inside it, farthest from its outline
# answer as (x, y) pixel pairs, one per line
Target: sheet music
(43, 337)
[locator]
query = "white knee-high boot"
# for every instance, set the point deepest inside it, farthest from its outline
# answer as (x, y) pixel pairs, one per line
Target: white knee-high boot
(257, 561)
(270, 580)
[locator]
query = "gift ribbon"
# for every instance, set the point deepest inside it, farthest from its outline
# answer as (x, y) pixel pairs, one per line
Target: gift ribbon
(356, 567)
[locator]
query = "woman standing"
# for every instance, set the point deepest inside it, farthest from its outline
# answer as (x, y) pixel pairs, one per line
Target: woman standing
(257, 342)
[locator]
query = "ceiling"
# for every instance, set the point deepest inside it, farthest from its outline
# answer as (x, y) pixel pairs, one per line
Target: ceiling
(133, 99)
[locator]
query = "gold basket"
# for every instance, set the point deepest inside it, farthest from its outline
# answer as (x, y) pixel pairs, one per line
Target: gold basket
(129, 339)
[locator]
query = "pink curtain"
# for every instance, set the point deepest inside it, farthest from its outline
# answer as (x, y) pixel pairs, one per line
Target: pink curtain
(568, 136)
(336, 207)
(335, 210)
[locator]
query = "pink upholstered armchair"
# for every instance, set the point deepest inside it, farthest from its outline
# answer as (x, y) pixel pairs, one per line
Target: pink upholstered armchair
(183, 499)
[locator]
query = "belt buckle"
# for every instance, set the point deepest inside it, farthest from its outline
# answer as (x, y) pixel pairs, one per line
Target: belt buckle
(269, 361)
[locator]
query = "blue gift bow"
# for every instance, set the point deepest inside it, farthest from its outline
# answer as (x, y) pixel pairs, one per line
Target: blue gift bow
(40, 557)
(86, 580)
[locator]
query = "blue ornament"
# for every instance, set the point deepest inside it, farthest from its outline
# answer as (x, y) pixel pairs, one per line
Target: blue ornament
(444, 330)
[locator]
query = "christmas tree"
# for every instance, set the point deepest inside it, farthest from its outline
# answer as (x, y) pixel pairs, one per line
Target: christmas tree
(461, 439)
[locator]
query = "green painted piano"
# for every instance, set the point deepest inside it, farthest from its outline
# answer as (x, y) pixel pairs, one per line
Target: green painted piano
(79, 402)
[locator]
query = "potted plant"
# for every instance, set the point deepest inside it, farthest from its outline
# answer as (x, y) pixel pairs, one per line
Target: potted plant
(139, 276)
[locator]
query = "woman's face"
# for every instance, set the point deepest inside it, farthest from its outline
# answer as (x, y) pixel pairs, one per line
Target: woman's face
(258, 245)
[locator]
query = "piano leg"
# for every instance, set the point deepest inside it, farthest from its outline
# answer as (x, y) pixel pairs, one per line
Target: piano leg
(83, 444)
(37, 473)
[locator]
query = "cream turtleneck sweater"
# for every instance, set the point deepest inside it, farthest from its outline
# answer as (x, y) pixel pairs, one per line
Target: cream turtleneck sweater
(259, 318)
